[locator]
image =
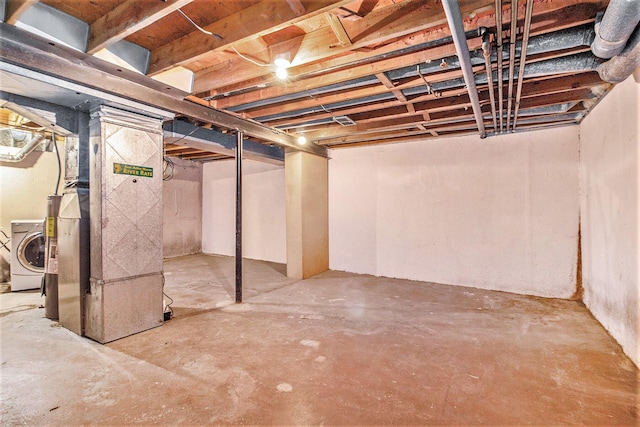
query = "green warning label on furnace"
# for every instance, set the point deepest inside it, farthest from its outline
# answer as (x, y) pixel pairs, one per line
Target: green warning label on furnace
(122, 169)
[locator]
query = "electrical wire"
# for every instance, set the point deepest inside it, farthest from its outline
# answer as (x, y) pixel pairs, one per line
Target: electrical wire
(185, 136)
(218, 36)
(209, 33)
(171, 299)
(427, 84)
(55, 146)
(249, 59)
(323, 107)
(169, 166)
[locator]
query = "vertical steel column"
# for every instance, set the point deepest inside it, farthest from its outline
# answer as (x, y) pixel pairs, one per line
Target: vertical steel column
(239, 138)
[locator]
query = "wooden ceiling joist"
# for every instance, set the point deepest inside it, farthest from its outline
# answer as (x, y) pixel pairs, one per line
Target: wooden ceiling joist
(318, 44)
(389, 66)
(128, 18)
(15, 9)
(255, 21)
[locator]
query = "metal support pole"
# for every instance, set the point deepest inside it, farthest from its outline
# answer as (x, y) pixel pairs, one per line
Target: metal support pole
(239, 138)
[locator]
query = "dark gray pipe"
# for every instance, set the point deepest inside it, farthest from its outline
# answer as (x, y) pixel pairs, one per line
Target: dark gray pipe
(454, 19)
(51, 270)
(576, 63)
(564, 39)
(239, 138)
(613, 32)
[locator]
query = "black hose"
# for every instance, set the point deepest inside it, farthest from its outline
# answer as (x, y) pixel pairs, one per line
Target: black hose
(55, 146)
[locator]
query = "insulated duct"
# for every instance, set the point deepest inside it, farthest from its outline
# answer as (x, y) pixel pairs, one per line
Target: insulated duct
(617, 69)
(24, 151)
(613, 32)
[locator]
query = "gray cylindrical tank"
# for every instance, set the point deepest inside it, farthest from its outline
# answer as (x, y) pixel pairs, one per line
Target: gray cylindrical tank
(51, 258)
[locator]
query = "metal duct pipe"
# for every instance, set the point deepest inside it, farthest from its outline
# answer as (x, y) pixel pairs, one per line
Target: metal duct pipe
(512, 57)
(486, 52)
(613, 32)
(622, 66)
(499, 59)
(454, 19)
(24, 151)
(564, 39)
(523, 59)
(576, 63)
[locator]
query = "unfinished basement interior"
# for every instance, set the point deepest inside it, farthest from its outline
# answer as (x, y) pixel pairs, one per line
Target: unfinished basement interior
(319, 212)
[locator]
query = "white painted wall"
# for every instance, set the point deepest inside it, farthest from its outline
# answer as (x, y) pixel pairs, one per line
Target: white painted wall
(182, 210)
(610, 182)
(499, 213)
(263, 207)
(24, 187)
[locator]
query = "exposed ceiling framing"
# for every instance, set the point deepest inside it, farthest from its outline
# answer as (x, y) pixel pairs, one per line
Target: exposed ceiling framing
(362, 72)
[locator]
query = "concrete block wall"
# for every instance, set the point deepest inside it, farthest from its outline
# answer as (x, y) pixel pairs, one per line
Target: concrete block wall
(499, 213)
(264, 231)
(610, 210)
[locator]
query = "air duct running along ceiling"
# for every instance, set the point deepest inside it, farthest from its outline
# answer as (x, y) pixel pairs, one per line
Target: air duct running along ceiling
(12, 155)
(618, 38)
(615, 28)
(23, 131)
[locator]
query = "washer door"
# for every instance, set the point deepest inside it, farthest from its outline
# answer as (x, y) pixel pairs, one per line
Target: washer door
(31, 252)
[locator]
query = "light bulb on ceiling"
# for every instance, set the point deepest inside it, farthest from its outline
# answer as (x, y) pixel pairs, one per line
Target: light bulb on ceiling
(282, 73)
(302, 140)
(281, 62)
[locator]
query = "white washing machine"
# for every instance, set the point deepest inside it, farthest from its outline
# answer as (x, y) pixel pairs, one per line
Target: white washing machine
(27, 254)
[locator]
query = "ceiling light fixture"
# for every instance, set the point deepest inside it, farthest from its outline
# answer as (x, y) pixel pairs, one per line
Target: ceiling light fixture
(281, 73)
(302, 140)
(282, 62)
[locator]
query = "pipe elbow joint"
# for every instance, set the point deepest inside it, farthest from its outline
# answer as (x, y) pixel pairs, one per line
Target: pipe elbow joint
(607, 49)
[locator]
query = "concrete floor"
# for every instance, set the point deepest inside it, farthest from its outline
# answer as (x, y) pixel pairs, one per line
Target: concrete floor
(335, 349)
